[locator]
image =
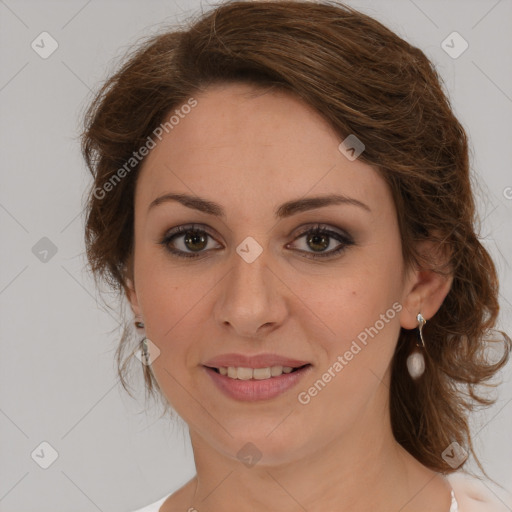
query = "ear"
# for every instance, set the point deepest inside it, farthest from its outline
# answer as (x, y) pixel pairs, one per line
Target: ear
(129, 288)
(131, 295)
(425, 289)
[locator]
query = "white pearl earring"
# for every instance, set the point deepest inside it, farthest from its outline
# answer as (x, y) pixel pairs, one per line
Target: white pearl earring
(416, 360)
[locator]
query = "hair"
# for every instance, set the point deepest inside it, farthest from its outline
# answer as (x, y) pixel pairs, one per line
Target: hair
(366, 81)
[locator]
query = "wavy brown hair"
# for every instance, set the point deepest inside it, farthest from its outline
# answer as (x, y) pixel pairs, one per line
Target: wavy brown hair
(364, 80)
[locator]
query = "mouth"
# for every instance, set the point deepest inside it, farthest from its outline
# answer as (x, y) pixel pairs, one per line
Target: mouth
(246, 384)
(246, 373)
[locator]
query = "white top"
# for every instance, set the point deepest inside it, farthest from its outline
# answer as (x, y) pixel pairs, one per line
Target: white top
(155, 507)
(468, 495)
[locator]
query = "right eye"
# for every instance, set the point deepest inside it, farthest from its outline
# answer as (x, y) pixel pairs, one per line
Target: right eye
(188, 241)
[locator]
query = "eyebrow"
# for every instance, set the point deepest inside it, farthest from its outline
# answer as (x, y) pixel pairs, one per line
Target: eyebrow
(285, 210)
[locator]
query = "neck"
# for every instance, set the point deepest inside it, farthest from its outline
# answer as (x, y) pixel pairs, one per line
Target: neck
(363, 469)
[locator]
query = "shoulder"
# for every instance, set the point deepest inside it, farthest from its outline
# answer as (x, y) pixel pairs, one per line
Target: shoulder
(153, 507)
(475, 495)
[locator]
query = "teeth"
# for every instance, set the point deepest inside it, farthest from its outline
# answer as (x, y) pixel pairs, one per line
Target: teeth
(275, 371)
(243, 373)
(262, 373)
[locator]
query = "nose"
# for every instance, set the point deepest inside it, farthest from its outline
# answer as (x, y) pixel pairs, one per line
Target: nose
(251, 300)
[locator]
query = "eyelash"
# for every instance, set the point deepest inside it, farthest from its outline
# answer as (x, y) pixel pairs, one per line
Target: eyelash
(317, 229)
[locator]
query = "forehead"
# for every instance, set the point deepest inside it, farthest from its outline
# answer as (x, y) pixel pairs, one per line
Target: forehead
(252, 147)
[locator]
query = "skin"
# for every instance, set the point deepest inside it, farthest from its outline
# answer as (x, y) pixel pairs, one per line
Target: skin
(251, 150)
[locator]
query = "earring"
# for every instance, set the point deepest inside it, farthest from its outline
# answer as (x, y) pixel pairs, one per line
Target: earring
(416, 360)
(139, 325)
(145, 351)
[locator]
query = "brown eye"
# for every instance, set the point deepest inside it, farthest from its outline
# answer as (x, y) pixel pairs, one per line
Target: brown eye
(318, 239)
(187, 241)
(195, 240)
(191, 241)
(318, 242)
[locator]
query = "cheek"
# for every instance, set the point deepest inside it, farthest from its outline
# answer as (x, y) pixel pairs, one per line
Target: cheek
(362, 312)
(168, 300)
(353, 368)
(171, 307)
(357, 297)
(366, 327)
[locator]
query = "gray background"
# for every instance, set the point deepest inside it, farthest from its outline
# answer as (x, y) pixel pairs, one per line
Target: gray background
(58, 381)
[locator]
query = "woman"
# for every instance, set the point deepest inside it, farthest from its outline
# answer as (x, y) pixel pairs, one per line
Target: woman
(281, 191)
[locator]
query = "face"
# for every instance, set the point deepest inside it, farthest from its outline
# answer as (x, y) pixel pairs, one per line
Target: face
(251, 283)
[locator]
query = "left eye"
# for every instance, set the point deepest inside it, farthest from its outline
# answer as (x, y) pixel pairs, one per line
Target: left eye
(192, 241)
(319, 239)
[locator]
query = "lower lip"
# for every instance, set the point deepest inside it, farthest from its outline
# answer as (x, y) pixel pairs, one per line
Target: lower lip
(253, 390)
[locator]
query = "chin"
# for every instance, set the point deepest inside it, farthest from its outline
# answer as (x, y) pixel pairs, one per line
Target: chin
(257, 446)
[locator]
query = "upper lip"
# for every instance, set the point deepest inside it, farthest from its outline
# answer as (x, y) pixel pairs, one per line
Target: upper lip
(256, 361)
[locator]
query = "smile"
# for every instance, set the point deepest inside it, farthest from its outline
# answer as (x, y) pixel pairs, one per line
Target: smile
(243, 373)
(256, 384)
